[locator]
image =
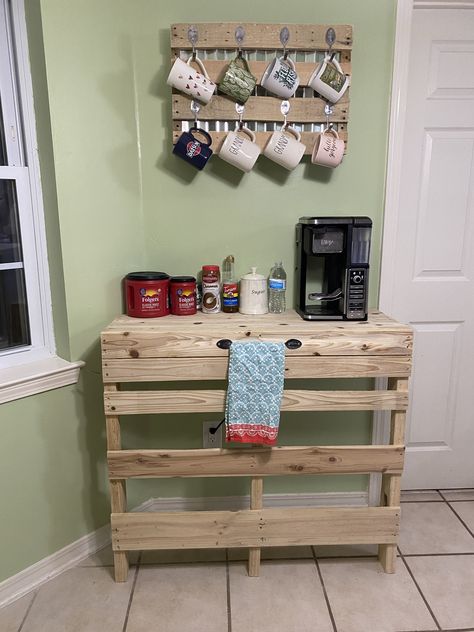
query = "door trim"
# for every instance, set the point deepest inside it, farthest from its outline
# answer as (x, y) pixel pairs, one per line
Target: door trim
(381, 419)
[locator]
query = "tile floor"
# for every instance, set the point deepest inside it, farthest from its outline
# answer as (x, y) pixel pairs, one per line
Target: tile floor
(320, 589)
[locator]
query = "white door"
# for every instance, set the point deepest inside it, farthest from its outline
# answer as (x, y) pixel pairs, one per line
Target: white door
(428, 259)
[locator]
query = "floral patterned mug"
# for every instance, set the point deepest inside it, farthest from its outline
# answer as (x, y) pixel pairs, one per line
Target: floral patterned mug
(238, 82)
(280, 77)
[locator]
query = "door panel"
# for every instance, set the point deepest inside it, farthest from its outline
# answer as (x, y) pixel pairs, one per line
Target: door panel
(433, 279)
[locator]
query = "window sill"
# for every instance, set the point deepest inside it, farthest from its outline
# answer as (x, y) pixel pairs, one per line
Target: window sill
(36, 377)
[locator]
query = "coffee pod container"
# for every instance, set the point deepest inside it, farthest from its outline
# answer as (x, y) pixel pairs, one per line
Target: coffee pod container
(253, 293)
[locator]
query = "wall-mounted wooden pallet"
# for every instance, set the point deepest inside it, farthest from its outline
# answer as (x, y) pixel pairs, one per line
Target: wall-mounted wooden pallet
(216, 46)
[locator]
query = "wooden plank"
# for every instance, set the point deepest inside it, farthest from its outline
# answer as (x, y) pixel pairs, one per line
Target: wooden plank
(254, 461)
(377, 320)
(118, 489)
(216, 69)
(262, 109)
(256, 502)
(262, 138)
(151, 402)
(202, 343)
(179, 369)
(257, 36)
(255, 527)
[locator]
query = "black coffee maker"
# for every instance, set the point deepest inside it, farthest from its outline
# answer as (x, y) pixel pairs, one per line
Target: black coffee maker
(332, 267)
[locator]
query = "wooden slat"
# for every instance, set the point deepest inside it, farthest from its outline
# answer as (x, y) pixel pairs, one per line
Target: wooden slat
(151, 402)
(257, 36)
(262, 109)
(258, 527)
(262, 138)
(216, 69)
(201, 342)
(376, 321)
(179, 369)
(256, 502)
(254, 461)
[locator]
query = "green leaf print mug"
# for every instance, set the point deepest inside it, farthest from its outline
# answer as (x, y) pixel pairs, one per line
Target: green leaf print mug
(238, 82)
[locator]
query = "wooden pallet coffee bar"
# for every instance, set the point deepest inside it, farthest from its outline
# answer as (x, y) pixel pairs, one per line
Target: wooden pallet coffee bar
(216, 46)
(177, 348)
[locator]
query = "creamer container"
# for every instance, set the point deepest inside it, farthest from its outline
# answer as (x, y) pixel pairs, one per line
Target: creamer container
(230, 287)
(211, 290)
(146, 294)
(183, 295)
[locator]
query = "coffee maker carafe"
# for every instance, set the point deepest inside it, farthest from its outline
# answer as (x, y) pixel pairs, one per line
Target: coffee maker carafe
(332, 267)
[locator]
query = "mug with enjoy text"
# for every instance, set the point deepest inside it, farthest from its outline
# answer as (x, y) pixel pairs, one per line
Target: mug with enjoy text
(285, 147)
(280, 77)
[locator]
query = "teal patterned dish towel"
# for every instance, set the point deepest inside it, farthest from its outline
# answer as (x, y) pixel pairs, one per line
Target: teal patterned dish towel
(256, 375)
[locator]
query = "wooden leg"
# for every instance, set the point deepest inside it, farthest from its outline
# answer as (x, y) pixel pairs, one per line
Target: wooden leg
(256, 502)
(390, 493)
(118, 489)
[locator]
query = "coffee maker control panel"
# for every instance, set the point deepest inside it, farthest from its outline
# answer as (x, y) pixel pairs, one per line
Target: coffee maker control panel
(357, 279)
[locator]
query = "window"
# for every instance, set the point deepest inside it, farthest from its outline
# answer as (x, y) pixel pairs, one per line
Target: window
(26, 332)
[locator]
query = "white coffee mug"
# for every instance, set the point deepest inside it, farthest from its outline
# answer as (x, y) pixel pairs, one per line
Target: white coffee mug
(285, 148)
(187, 79)
(240, 151)
(329, 80)
(328, 149)
(280, 77)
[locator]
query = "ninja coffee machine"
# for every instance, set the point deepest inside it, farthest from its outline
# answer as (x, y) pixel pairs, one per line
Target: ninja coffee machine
(332, 267)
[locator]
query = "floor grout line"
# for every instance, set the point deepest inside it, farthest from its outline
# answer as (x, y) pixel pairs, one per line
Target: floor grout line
(132, 592)
(28, 610)
(459, 518)
(326, 596)
(229, 606)
(410, 572)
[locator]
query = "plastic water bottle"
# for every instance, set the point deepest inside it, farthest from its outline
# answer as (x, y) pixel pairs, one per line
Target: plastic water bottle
(277, 289)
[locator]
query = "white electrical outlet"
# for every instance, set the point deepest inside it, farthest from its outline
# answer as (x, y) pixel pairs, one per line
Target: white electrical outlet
(210, 440)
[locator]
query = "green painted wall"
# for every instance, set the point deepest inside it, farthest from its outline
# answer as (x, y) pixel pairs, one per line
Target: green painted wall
(117, 200)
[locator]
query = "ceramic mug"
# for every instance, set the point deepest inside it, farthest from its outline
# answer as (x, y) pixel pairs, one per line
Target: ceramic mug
(285, 148)
(238, 82)
(329, 80)
(187, 79)
(280, 77)
(239, 151)
(194, 151)
(328, 149)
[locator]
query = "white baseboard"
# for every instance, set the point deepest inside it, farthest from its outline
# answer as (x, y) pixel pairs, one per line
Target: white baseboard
(32, 577)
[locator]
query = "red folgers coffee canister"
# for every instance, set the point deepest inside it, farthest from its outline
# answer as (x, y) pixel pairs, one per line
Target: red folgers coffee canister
(147, 294)
(183, 295)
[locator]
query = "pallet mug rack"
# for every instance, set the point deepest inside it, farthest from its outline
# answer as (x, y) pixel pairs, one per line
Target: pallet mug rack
(216, 45)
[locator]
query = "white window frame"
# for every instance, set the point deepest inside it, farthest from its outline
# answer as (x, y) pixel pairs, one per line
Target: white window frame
(36, 367)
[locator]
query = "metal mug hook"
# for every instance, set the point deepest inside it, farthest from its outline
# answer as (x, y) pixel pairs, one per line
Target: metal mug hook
(195, 108)
(193, 37)
(239, 37)
(330, 39)
(328, 111)
(239, 108)
(284, 37)
(284, 109)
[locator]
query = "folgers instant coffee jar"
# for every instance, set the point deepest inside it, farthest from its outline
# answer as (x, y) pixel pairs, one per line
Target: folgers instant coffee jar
(147, 294)
(183, 295)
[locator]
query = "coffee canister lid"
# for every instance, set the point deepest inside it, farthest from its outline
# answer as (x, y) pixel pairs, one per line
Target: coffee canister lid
(147, 276)
(210, 268)
(182, 279)
(253, 275)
